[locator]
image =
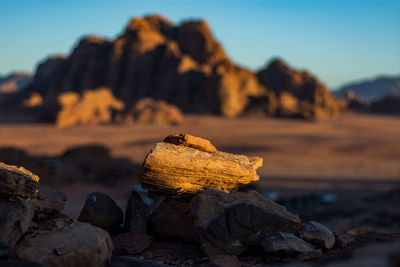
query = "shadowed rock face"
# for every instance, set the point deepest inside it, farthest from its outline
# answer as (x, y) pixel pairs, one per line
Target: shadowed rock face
(313, 96)
(33, 229)
(181, 64)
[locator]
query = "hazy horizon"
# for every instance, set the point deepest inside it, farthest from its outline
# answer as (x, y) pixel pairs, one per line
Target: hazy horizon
(338, 41)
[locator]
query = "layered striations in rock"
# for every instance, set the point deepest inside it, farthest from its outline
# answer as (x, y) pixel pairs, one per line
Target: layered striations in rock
(186, 168)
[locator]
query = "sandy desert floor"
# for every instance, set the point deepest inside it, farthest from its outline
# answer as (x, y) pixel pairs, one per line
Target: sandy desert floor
(355, 153)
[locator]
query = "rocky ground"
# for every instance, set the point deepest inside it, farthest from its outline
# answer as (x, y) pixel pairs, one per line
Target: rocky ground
(181, 216)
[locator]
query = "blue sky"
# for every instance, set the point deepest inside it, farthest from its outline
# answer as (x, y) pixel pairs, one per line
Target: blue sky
(338, 41)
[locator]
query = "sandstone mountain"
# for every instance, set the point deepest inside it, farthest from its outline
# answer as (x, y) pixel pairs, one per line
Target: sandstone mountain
(181, 64)
(298, 91)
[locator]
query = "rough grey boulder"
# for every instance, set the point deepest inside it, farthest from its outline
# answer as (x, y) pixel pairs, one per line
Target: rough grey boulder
(319, 234)
(136, 215)
(228, 223)
(287, 244)
(101, 211)
(15, 218)
(78, 244)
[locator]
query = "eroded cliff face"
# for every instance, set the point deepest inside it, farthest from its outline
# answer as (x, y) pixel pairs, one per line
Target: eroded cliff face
(298, 90)
(182, 64)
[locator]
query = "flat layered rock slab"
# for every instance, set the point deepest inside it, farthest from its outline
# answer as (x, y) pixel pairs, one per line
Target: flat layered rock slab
(178, 170)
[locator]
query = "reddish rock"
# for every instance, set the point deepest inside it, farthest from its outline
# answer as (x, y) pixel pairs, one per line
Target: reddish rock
(173, 219)
(224, 260)
(131, 243)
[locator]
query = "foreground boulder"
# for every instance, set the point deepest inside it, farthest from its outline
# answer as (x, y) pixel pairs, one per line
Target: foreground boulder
(136, 215)
(186, 168)
(101, 211)
(32, 229)
(78, 244)
(228, 223)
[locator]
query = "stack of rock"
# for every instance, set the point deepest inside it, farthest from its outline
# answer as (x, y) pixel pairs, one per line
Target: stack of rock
(201, 204)
(33, 229)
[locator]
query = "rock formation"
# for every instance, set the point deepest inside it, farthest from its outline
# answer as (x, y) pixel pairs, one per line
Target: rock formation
(307, 97)
(181, 64)
(228, 223)
(190, 167)
(136, 215)
(172, 218)
(150, 111)
(34, 100)
(101, 211)
(33, 229)
(93, 107)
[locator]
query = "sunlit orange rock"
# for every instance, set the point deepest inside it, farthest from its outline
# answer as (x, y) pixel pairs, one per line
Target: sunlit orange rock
(186, 169)
(93, 107)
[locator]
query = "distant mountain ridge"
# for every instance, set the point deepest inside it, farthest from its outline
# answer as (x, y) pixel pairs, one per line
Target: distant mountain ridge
(373, 89)
(15, 82)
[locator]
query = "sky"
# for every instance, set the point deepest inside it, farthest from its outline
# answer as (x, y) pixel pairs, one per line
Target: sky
(337, 40)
